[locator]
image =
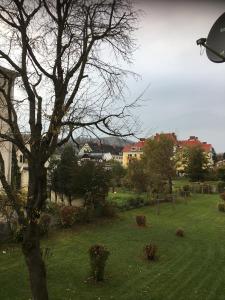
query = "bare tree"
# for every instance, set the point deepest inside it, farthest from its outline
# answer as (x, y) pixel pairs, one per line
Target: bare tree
(67, 57)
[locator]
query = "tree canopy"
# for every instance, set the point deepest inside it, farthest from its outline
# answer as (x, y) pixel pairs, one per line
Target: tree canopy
(159, 160)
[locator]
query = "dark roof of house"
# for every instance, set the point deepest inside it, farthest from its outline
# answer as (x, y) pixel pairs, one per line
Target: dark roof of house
(103, 148)
(92, 155)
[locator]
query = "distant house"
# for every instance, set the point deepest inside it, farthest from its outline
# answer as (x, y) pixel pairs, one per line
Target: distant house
(100, 152)
(193, 141)
(135, 151)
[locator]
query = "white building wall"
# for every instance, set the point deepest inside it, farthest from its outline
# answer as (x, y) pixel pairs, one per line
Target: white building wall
(5, 146)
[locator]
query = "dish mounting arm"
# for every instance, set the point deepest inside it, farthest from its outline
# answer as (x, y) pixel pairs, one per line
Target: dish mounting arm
(202, 42)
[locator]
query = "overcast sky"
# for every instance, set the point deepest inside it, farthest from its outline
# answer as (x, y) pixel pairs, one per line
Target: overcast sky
(187, 91)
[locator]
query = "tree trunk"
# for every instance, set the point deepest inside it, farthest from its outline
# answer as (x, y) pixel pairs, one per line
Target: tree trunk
(36, 267)
(37, 195)
(170, 183)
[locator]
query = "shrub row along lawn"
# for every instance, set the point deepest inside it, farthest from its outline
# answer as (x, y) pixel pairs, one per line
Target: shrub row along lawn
(192, 267)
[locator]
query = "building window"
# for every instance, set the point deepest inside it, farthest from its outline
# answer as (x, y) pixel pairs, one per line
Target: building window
(21, 158)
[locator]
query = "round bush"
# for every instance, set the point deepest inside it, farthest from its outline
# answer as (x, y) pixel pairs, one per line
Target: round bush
(180, 232)
(150, 251)
(222, 196)
(141, 220)
(221, 207)
(67, 216)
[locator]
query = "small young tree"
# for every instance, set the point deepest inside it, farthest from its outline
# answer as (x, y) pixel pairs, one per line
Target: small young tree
(214, 156)
(136, 177)
(159, 160)
(117, 172)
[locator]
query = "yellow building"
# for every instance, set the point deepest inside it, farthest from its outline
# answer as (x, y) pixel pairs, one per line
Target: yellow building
(132, 151)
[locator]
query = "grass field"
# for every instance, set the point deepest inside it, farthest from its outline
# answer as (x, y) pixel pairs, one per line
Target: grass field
(189, 268)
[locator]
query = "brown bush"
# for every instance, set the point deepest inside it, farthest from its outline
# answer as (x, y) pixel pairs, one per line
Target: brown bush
(221, 207)
(98, 257)
(141, 220)
(222, 196)
(180, 232)
(150, 251)
(67, 216)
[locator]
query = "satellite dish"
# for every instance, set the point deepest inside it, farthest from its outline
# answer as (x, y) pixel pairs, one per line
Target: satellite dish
(216, 41)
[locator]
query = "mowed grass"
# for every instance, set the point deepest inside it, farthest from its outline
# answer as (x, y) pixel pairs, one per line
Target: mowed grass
(192, 267)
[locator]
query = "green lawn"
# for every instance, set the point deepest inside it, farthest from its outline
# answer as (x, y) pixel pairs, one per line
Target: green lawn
(192, 267)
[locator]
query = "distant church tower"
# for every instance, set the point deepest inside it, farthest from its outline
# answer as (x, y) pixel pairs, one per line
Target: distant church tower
(5, 146)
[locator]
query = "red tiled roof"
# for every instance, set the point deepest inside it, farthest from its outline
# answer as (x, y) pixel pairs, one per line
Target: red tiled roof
(136, 146)
(193, 143)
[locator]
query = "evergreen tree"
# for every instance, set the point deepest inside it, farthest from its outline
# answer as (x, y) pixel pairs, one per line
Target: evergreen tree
(196, 169)
(64, 178)
(214, 156)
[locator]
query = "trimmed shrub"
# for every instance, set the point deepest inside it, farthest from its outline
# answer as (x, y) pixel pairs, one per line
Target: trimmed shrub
(67, 216)
(222, 196)
(141, 220)
(98, 256)
(150, 251)
(180, 232)
(221, 207)
(44, 224)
